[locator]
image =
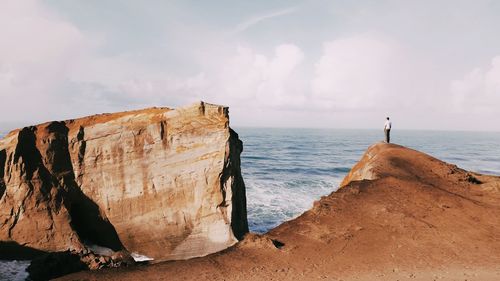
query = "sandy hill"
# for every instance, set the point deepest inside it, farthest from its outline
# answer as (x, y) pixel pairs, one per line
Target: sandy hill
(400, 215)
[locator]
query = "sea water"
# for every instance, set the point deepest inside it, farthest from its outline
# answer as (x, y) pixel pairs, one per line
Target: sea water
(13, 270)
(286, 170)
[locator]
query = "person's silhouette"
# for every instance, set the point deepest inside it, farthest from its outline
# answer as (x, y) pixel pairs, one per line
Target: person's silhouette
(387, 130)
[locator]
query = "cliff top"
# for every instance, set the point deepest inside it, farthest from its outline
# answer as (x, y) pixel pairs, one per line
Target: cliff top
(391, 160)
(147, 114)
(383, 160)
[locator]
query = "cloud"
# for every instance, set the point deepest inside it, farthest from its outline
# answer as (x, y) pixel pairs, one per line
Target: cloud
(357, 72)
(478, 90)
(51, 68)
(36, 49)
(257, 19)
(252, 78)
(240, 76)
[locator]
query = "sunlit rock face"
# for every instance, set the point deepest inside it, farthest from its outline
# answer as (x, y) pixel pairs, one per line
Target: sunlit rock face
(158, 182)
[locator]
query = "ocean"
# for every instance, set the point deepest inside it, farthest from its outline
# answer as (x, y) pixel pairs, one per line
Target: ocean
(286, 170)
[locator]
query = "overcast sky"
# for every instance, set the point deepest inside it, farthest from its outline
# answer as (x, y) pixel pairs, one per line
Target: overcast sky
(338, 64)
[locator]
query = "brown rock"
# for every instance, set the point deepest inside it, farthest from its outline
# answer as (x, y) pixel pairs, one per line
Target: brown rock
(400, 213)
(157, 182)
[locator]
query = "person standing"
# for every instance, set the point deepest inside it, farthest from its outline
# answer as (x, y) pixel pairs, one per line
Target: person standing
(387, 130)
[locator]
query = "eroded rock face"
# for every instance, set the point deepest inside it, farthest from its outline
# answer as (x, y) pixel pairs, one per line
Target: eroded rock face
(157, 182)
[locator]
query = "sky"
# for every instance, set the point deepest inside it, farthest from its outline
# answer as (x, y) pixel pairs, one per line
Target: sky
(309, 64)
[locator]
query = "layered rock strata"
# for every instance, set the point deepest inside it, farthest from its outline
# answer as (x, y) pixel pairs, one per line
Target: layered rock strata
(157, 182)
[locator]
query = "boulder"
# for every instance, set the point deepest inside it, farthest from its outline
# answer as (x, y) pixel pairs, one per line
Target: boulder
(158, 182)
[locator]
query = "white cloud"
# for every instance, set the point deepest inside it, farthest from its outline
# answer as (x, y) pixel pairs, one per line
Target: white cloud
(358, 72)
(36, 50)
(52, 69)
(250, 77)
(239, 77)
(375, 73)
(479, 90)
(59, 72)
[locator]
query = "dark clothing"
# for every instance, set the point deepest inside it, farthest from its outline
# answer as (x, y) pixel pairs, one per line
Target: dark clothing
(387, 135)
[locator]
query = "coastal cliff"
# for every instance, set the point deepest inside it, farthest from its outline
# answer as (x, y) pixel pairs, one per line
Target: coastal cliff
(399, 215)
(161, 183)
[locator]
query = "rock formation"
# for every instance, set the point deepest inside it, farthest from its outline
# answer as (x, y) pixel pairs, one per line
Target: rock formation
(157, 182)
(400, 215)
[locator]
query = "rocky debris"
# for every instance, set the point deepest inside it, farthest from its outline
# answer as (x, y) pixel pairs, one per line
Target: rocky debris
(56, 264)
(96, 261)
(159, 182)
(472, 179)
(260, 241)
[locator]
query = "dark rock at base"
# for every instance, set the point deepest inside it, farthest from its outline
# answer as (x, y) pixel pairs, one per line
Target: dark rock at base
(10, 250)
(53, 265)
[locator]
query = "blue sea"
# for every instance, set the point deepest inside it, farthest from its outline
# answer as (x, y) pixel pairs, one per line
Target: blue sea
(286, 170)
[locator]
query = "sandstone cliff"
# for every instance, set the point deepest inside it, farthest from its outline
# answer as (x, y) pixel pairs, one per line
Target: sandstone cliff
(157, 182)
(400, 215)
